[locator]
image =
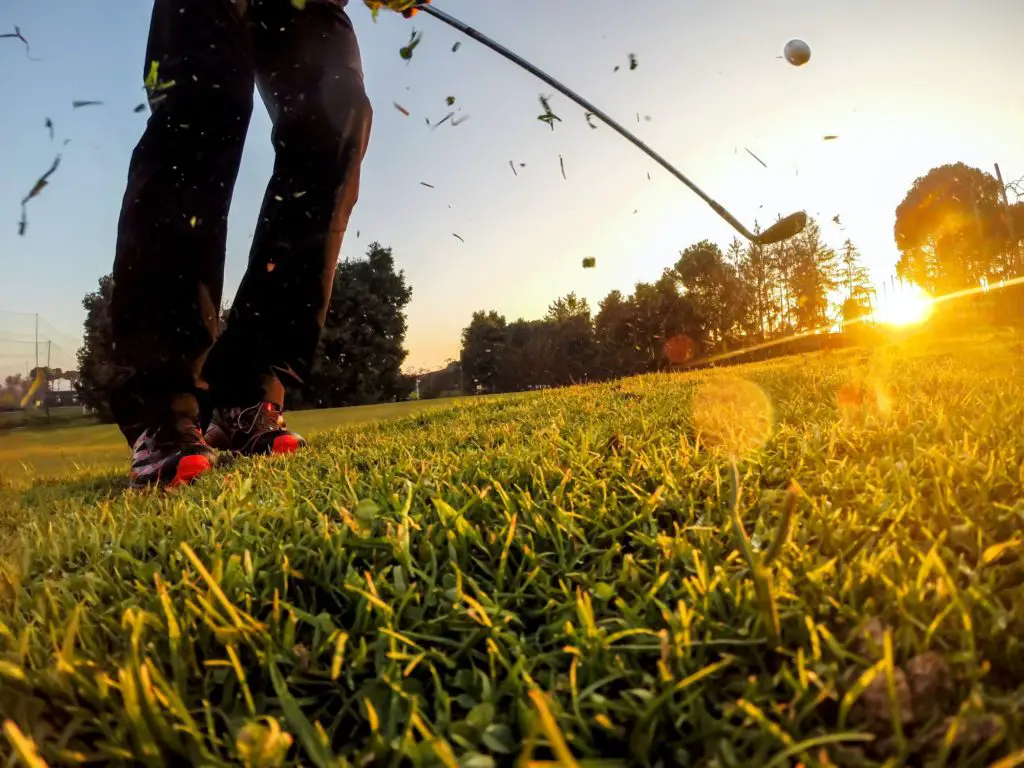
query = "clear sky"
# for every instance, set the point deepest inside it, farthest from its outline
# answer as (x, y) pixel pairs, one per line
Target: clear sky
(906, 85)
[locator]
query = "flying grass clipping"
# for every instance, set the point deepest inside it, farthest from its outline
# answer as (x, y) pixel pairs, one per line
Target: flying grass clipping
(796, 52)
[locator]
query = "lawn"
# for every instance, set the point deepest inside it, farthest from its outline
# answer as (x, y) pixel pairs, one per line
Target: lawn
(37, 417)
(811, 561)
(50, 452)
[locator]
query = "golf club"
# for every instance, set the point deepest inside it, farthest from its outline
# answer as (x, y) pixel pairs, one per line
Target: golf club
(781, 230)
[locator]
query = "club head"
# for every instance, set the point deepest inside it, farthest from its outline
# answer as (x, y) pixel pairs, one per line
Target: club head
(783, 229)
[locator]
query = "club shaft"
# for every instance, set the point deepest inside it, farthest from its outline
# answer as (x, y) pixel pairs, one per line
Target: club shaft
(600, 114)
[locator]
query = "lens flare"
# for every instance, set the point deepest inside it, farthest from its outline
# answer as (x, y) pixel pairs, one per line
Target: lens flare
(863, 395)
(732, 414)
(908, 304)
(679, 349)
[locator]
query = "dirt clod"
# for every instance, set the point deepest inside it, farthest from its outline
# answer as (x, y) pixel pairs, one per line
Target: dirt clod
(931, 683)
(869, 638)
(874, 709)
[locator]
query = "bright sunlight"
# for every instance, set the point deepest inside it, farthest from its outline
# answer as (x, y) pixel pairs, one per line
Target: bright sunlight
(905, 304)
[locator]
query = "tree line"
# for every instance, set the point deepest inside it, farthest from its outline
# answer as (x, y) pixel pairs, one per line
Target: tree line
(709, 301)
(955, 229)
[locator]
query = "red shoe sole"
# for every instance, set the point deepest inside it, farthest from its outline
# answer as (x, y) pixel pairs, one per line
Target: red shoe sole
(285, 444)
(189, 468)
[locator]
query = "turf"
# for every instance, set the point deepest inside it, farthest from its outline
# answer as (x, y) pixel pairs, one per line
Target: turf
(818, 563)
(61, 416)
(45, 452)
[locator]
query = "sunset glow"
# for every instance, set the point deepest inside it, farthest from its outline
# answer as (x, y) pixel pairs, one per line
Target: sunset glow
(907, 304)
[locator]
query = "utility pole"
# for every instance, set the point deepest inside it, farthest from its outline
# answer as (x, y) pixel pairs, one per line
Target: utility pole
(37, 340)
(46, 382)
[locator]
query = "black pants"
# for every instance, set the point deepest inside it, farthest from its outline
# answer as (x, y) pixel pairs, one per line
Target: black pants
(169, 262)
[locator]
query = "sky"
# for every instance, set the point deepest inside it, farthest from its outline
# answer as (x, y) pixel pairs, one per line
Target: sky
(906, 86)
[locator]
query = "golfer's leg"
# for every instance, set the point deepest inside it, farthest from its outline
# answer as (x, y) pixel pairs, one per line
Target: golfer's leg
(310, 77)
(169, 261)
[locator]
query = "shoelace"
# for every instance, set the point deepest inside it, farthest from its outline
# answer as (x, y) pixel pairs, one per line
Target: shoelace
(261, 418)
(263, 415)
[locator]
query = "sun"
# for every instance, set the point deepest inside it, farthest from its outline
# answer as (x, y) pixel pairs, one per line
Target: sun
(907, 304)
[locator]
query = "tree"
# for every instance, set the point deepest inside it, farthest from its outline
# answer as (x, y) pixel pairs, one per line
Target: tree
(715, 294)
(758, 271)
(483, 342)
(614, 337)
(568, 307)
(15, 387)
(1015, 224)
(856, 284)
(360, 356)
(708, 301)
(951, 230)
(1017, 217)
(572, 349)
(661, 318)
(811, 272)
(10, 393)
(97, 372)
(524, 356)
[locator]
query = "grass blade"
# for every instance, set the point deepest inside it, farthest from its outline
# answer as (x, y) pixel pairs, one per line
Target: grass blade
(782, 757)
(304, 730)
(23, 746)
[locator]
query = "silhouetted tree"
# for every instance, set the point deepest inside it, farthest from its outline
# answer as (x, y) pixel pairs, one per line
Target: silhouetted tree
(15, 387)
(483, 342)
(360, 356)
(661, 314)
(758, 272)
(568, 307)
(526, 355)
(811, 272)
(856, 284)
(571, 347)
(717, 299)
(951, 230)
(615, 337)
(707, 302)
(98, 372)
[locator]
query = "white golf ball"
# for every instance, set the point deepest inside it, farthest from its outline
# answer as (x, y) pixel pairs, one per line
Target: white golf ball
(797, 52)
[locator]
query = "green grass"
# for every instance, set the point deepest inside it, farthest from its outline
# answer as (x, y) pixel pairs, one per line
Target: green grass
(36, 418)
(563, 576)
(51, 452)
